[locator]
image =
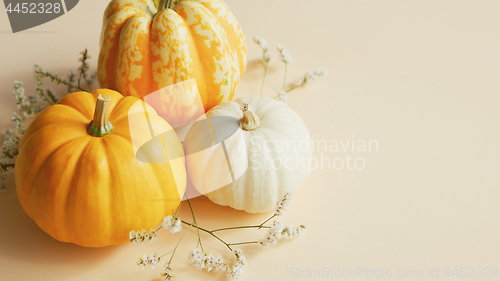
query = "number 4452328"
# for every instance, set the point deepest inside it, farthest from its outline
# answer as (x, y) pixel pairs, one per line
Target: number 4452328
(471, 272)
(35, 8)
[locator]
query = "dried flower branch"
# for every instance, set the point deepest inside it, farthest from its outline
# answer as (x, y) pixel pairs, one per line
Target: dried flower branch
(28, 106)
(287, 59)
(205, 260)
(266, 57)
(308, 78)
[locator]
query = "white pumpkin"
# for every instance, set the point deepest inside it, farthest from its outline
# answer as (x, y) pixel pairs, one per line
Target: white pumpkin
(248, 153)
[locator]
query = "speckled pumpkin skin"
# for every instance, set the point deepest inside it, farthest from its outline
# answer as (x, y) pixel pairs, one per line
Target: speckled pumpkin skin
(143, 50)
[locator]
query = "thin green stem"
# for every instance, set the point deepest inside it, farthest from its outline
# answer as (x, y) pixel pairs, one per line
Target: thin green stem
(244, 243)
(241, 227)
(197, 227)
(263, 79)
(56, 79)
(284, 80)
(261, 225)
(166, 254)
(210, 232)
(173, 252)
(178, 209)
(292, 88)
(164, 5)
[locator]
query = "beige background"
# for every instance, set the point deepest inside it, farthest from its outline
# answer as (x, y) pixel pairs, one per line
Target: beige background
(420, 77)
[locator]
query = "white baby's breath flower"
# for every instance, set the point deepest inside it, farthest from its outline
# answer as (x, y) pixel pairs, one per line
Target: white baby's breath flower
(142, 261)
(240, 261)
(262, 42)
(299, 230)
(310, 76)
(219, 265)
(167, 274)
(11, 145)
(148, 260)
(285, 53)
(152, 235)
(204, 260)
(209, 259)
(283, 96)
(279, 231)
(236, 272)
(277, 228)
(153, 260)
(270, 239)
(172, 224)
(138, 238)
(240, 258)
(197, 257)
(287, 232)
(267, 57)
(281, 209)
(18, 124)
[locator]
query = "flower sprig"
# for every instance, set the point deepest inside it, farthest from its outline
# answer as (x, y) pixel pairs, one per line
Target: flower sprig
(287, 58)
(266, 57)
(30, 105)
(204, 260)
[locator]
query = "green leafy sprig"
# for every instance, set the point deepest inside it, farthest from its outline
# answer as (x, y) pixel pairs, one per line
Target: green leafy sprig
(29, 106)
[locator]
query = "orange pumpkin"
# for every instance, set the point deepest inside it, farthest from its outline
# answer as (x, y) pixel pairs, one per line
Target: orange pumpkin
(77, 175)
(148, 45)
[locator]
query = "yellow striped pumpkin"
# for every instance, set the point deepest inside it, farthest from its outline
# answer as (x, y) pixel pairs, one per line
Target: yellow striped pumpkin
(147, 45)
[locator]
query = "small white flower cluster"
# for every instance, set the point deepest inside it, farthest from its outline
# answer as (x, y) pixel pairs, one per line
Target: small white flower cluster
(10, 147)
(285, 53)
(266, 57)
(168, 274)
(149, 260)
(142, 236)
(30, 105)
(310, 76)
(18, 123)
(6, 165)
(21, 100)
(204, 260)
(279, 231)
(283, 96)
(280, 211)
(9, 150)
(240, 261)
(172, 224)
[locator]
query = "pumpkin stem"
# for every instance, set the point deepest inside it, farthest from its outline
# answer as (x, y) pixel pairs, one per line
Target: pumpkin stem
(100, 126)
(250, 121)
(165, 4)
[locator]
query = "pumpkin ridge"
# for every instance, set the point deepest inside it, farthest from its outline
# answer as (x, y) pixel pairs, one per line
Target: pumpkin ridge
(69, 219)
(195, 54)
(77, 107)
(208, 67)
(110, 208)
(29, 179)
(29, 132)
(32, 196)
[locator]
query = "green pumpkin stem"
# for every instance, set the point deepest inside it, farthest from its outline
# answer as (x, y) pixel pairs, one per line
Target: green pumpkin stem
(250, 121)
(165, 4)
(100, 126)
